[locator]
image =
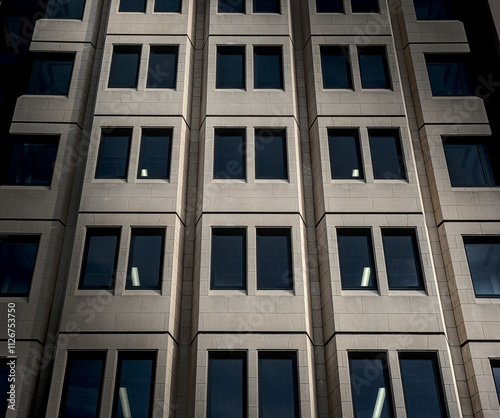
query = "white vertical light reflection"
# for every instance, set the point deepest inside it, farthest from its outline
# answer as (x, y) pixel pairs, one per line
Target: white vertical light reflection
(135, 277)
(124, 402)
(365, 280)
(355, 173)
(379, 404)
(144, 172)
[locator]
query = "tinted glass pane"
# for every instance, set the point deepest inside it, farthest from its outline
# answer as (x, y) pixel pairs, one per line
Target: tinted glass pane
(124, 67)
(231, 6)
(329, 6)
(270, 154)
(433, 9)
(32, 162)
(4, 385)
(371, 391)
(268, 71)
(357, 268)
(229, 255)
(227, 385)
(335, 67)
(145, 259)
(172, 6)
(496, 377)
(278, 393)
(154, 159)
(448, 77)
(229, 154)
(65, 9)
(387, 159)
(345, 155)
(364, 6)
(51, 76)
(230, 67)
(402, 260)
(82, 385)
(113, 155)
(274, 259)
(484, 264)
(162, 69)
(373, 68)
(132, 6)
(99, 262)
(422, 388)
(134, 389)
(17, 262)
(266, 6)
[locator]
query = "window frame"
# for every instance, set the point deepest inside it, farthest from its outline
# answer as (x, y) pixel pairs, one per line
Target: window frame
(109, 133)
(179, 9)
(155, 132)
(155, 49)
(229, 231)
(450, 15)
(464, 72)
(495, 364)
(243, 8)
(376, 10)
(241, 49)
(52, 7)
(278, 3)
(481, 240)
(124, 49)
(36, 73)
(233, 131)
(388, 132)
(258, 50)
(375, 50)
(341, 7)
(345, 132)
(132, 11)
(275, 231)
(333, 50)
(276, 132)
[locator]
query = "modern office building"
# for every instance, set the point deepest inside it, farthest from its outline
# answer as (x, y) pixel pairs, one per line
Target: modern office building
(250, 208)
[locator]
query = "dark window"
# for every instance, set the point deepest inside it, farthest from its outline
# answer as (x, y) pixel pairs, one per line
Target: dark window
(387, 158)
(230, 67)
(100, 258)
(402, 260)
(422, 386)
(10, 26)
(231, 6)
(370, 385)
(495, 366)
(82, 384)
(274, 259)
(124, 67)
(168, 6)
(483, 255)
(357, 266)
(266, 6)
(32, 161)
(345, 154)
(364, 6)
(145, 261)
(278, 386)
(154, 158)
(132, 6)
(65, 9)
(433, 9)
(162, 69)
(448, 75)
(51, 74)
(469, 163)
(227, 385)
(4, 385)
(373, 67)
(335, 67)
(270, 154)
(268, 67)
(229, 259)
(229, 154)
(329, 6)
(17, 262)
(134, 388)
(112, 162)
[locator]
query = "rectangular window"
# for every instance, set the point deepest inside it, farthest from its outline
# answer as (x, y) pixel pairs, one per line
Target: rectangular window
(32, 161)
(278, 385)
(227, 384)
(266, 6)
(364, 6)
(483, 255)
(357, 266)
(155, 154)
(134, 390)
(167, 6)
(274, 259)
(433, 9)
(100, 258)
(495, 367)
(402, 259)
(51, 74)
(162, 68)
(112, 161)
(65, 9)
(124, 67)
(268, 67)
(345, 154)
(270, 154)
(82, 384)
(17, 263)
(329, 6)
(229, 154)
(4, 385)
(387, 158)
(370, 385)
(231, 6)
(373, 67)
(448, 75)
(230, 67)
(138, 6)
(336, 68)
(145, 261)
(229, 259)
(422, 388)
(468, 161)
